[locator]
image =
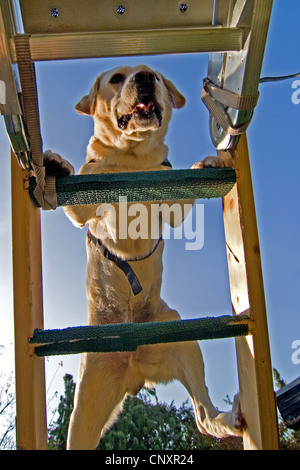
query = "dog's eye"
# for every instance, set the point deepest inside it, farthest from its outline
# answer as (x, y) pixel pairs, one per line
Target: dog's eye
(117, 78)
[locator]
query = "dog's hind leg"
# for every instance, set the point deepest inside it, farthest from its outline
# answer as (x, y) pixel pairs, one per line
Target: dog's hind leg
(183, 361)
(99, 395)
(189, 370)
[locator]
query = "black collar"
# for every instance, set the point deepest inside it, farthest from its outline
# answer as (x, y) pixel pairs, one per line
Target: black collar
(122, 264)
(166, 163)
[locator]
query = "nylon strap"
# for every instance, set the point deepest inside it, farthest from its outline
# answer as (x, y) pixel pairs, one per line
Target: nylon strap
(45, 191)
(212, 95)
(228, 98)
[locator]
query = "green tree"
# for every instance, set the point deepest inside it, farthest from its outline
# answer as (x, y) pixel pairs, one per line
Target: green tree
(279, 382)
(59, 430)
(7, 412)
(144, 425)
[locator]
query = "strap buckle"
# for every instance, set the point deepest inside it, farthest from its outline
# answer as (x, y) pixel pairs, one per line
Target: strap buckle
(230, 113)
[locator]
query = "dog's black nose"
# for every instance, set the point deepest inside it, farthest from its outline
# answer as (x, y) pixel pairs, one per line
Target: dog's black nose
(144, 76)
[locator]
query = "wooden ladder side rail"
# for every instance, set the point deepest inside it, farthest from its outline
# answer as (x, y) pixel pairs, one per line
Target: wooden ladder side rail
(258, 401)
(31, 422)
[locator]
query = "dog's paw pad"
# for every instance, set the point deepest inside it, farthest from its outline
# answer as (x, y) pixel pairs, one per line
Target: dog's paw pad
(239, 420)
(209, 162)
(55, 165)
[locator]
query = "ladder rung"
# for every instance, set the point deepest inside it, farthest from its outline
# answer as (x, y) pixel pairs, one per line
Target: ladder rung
(127, 43)
(142, 186)
(128, 336)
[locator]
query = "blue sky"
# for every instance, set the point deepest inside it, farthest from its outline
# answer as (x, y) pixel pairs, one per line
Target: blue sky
(195, 283)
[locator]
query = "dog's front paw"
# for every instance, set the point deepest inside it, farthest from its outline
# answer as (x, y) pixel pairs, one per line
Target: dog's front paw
(56, 166)
(209, 162)
(238, 418)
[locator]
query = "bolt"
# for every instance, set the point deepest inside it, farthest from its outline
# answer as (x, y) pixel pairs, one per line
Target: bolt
(55, 12)
(183, 7)
(120, 10)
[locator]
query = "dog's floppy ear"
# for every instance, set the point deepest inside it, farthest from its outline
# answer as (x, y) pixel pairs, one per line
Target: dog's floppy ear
(87, 104)
(178, 100)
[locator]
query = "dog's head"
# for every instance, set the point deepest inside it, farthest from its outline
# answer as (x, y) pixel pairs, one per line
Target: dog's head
(126, 102)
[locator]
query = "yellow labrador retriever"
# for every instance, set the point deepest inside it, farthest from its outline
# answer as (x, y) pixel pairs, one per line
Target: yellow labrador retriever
(131, 108)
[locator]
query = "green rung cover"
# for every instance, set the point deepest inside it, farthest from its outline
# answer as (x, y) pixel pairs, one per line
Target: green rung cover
(142, 186)
(128, 336)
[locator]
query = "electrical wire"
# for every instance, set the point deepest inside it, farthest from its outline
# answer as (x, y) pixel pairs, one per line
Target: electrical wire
(277, 79)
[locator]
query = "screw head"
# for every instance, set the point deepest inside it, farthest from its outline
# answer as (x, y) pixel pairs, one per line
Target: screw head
(120, 10)
(183, 7)
(55, 12)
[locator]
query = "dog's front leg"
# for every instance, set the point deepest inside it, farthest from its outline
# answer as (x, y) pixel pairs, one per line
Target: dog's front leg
(80, 215)
(187, 205)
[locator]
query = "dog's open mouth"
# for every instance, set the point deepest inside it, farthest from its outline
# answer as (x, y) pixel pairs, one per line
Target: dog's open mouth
(144, 112)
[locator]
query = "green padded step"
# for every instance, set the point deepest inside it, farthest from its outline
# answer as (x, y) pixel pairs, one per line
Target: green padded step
(128, 336)
(142, 186)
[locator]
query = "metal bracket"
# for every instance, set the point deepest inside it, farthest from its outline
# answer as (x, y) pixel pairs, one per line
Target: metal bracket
(18, 140)
(228, 70)
(238, 71)
(10, 106)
